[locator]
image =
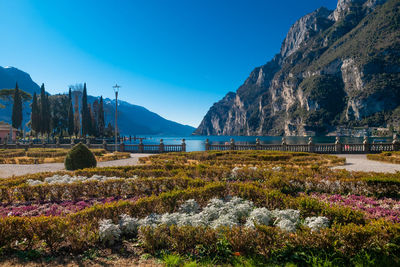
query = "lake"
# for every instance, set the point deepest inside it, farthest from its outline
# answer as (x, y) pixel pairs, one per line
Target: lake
(197, 143)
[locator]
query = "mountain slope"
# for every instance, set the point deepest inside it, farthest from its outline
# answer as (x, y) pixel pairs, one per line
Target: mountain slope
(338, 67)
(132, 119)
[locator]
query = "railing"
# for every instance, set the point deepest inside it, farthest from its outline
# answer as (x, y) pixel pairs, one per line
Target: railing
(325, 148)
(334, 148)
(137, 148)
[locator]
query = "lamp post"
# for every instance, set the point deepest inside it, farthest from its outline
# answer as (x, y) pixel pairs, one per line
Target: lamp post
(116, 89)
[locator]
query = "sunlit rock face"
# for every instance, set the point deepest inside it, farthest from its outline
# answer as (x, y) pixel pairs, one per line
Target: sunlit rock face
(337, 67)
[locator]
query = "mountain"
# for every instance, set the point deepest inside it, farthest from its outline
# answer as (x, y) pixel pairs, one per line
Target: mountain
(132, 119)
(339, 67)
(137, 120)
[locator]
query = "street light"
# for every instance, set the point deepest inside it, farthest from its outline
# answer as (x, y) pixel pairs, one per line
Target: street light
(116, 89)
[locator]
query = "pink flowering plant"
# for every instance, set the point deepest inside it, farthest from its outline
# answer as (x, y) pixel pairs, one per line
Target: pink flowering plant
(387, 208)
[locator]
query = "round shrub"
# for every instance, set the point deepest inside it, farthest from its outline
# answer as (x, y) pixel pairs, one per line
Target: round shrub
(79, 157)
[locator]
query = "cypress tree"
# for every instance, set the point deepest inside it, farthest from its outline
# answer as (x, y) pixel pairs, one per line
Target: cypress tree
(35, 115)
(100, 118)
(44, 111)
(16, 116)
(85, 112)
(91, 123)
(70, 114)
(48, 115)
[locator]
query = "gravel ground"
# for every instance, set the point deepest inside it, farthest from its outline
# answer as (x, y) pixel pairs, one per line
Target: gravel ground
(361, 163)
(8, 170)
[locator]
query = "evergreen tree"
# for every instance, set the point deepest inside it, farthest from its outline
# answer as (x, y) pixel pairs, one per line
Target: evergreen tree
(100, 118)
(17, 109)
(70, 127)
(77, 123)
(44, 111)
(91, 122)
(35, 115)
(85, 113)
(48, 115)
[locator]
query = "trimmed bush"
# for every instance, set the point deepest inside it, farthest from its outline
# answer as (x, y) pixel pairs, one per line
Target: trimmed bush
(80, 157)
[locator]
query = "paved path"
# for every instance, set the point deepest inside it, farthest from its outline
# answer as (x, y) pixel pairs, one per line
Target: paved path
(8, 170)
(361, 163)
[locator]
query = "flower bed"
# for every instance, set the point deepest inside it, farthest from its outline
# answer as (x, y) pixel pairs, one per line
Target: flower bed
(375, 208)
(53, 208)
(51, 155)
(275, 207)
(392, 157)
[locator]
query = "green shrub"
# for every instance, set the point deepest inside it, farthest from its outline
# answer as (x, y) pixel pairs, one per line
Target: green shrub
(80, 157)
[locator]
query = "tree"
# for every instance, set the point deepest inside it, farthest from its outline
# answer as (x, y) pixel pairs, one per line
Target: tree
(100, 118)
(85, 113)
(109, 131)
(8, 94)
(35, 115)
(59, 113)
(91, 124)
(16, 116)
(70, 114)
(77, 124)
(44, 111)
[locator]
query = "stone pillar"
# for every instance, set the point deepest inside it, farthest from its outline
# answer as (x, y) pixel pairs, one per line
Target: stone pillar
(207, 145)
(141, 146)
(338, 145)
(88, 142)
(284, 145)
(232, 144)
(183, 145)
(161, 146)
(258, 144)
(366, 144)
(72, 142)
(311, 145)
(122, 146)
(396, 143)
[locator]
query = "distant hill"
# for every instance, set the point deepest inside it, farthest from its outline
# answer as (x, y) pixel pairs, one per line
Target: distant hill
(336, 68)
(132, 119)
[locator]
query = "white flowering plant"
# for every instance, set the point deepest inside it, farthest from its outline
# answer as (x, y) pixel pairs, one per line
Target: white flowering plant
(228, 212)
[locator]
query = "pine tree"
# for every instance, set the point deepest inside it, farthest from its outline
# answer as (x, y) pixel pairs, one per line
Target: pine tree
(70, 126)
(100, 118)
(85, 113)
(35, 115)
(17, 109)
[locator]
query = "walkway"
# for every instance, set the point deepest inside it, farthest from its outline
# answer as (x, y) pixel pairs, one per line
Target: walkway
(358, 162)
(8, 170)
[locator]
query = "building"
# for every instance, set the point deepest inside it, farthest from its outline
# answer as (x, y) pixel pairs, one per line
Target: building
(5, 131)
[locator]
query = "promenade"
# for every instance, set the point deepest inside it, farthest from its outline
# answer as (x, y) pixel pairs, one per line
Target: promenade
(359, 162)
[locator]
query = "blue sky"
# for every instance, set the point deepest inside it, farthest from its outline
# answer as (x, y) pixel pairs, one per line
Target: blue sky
(174, 57)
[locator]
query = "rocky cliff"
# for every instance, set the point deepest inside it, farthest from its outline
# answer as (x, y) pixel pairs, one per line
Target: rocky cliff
(339, 67)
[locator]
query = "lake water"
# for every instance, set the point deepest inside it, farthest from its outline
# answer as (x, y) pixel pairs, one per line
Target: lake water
(197, 143)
